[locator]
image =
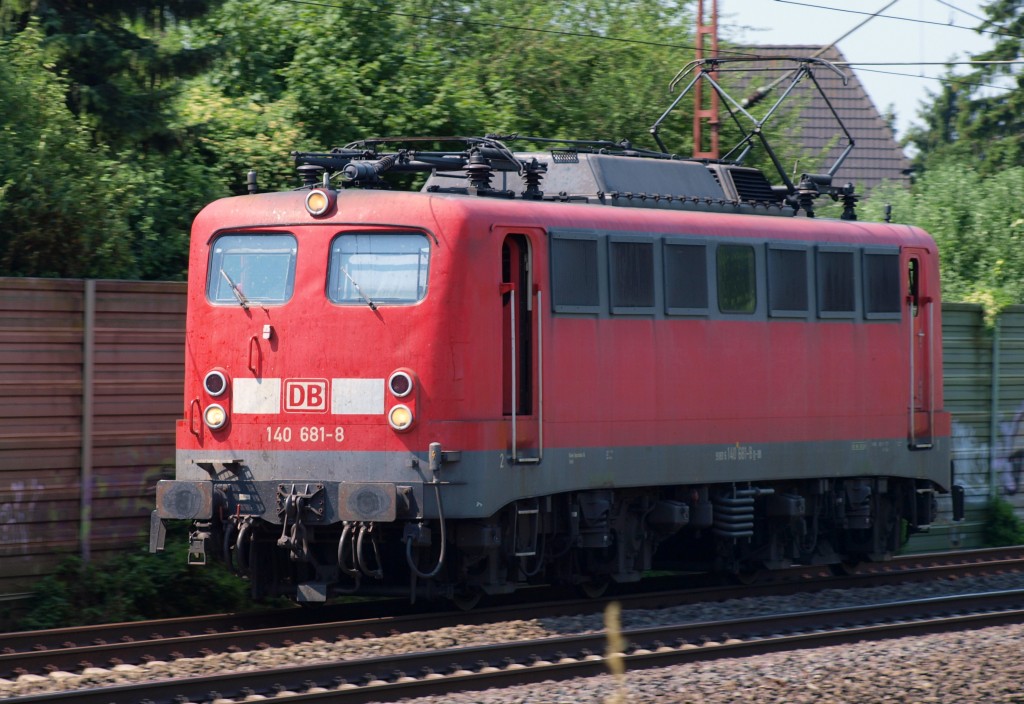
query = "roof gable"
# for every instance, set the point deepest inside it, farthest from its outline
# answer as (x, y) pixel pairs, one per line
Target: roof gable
(876, 156)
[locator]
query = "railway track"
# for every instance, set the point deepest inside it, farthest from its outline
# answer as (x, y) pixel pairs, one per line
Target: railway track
(445, 671)
(69, 649)
(135, 643)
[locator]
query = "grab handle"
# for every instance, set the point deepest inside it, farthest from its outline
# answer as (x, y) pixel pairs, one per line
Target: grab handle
(254, 343)
(192, 427)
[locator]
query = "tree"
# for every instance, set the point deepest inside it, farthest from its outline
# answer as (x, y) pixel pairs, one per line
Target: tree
(969, 192)
(978, 224)
(109, 74)
(62, 204)
(967, 117)
(121, 59)
(356, 69)
(998, 117)
(168, 137)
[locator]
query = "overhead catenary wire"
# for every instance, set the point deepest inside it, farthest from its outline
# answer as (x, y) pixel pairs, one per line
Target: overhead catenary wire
(961, 10)
(940, 79)
(509, 27)
(670, 45)
(1001, 62)
(997, 32)
(861, 66)
(778, 81)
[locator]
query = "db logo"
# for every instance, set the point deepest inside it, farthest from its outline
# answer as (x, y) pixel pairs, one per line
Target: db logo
(305, 395)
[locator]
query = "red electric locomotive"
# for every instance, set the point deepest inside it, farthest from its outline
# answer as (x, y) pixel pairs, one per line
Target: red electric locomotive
(550, 367)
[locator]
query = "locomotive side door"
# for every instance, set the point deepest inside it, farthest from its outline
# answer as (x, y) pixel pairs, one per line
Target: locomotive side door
(920, 310)
(522, 355)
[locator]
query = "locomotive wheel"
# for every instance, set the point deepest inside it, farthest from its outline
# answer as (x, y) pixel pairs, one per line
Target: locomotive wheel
(844, 568)
(467, 599)
(748, 576)
(594, 588)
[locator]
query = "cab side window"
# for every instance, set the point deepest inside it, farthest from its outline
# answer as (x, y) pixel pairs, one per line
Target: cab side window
(882, 285)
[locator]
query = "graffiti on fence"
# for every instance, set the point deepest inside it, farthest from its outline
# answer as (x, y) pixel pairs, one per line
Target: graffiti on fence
(970, 458)
(974, 462)
(17, 514)
(1008, 459)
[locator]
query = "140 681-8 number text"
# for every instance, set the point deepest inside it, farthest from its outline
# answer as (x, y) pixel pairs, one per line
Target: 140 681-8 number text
(285, 433)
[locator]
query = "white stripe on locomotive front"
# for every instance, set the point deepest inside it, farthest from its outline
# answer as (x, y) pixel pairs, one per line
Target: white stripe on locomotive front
(256, 396)
(357, 396)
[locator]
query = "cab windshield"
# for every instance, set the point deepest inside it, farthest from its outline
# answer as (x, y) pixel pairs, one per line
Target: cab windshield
(378, 268)
(251, 268)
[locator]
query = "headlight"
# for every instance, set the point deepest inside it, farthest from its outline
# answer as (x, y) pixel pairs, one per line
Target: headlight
(215, 383)
(215, 416)
(319, 201)
(400, 417)
(400, 384)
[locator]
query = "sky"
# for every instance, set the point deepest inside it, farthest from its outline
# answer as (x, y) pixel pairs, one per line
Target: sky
(881, 39)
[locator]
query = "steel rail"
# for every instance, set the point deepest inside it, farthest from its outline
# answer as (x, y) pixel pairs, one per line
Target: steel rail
(73, 648)
(392, 677)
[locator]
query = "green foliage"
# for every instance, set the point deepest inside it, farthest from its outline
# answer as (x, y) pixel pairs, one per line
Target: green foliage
(572, 85)
(236, 134)
(162, 196)
(978, 118)
(61, 197)
(1002, 527)
(977, 222)
(123, 60)
(142, 112)
(70, 206)
(131, 587)
(430, 68)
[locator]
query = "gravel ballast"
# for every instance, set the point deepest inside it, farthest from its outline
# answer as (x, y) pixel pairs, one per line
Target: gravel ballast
(985, 665)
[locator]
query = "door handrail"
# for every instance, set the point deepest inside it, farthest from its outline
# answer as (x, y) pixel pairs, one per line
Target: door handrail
(516, 459)
(922, 301)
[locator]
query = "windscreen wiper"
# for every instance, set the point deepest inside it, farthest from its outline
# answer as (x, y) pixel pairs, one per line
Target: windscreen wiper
(373, 306)
(242, 300)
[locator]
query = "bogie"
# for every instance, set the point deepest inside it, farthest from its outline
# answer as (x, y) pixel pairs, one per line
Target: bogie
(589, 539)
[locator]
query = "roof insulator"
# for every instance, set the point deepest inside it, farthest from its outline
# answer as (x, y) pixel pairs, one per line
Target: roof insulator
(310, 174)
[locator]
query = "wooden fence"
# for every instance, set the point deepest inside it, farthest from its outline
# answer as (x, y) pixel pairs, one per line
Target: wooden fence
(91, 376)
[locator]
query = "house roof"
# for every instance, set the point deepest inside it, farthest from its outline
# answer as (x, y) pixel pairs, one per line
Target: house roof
(876, 155)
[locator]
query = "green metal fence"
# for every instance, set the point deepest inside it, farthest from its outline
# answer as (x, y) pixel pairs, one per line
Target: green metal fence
(984, 391)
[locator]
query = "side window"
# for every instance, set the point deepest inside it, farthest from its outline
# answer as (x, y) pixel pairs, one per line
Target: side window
(788, 277)
(574, 274)
(253, 268)
(836, 283)
(388, 268)
(686, 278)
(913, 285)
(737, 278)
(882, 285)
(631, 270)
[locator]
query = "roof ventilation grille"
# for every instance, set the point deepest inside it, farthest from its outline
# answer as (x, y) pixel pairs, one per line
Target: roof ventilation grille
(752, 185)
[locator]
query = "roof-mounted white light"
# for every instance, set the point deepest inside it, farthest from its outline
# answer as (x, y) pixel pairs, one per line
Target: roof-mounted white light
(319, 201)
